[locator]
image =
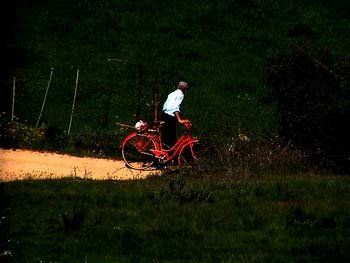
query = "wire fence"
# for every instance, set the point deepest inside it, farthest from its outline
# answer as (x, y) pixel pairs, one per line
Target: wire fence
(142, 99)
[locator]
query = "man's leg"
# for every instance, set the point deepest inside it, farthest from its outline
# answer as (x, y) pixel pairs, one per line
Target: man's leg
(169, 130)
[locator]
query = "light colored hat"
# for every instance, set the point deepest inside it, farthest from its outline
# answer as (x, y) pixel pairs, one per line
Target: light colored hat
(183, 84)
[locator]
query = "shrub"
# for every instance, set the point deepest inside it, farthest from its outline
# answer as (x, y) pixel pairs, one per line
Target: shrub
(14, 134)
(241, 156)
(311, 104)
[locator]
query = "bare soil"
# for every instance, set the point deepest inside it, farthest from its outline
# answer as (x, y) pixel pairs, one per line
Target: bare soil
(24, 164)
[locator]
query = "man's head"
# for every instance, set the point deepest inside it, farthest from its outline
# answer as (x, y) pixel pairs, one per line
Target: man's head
(183, 86)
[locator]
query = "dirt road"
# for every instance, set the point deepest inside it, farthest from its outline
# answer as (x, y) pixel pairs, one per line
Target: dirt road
(23, 164)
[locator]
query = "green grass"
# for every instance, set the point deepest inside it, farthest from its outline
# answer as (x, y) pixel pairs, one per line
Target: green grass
(219, 47)
(274, 218)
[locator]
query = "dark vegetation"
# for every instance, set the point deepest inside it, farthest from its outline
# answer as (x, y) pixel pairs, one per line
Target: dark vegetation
(312, 104)
(16, 134)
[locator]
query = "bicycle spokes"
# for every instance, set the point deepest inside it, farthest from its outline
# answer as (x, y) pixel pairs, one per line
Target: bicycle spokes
(137, 153)
(142, 143)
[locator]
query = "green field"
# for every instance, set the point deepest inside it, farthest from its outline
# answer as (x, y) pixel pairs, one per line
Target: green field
(220, 47)
(273, 218)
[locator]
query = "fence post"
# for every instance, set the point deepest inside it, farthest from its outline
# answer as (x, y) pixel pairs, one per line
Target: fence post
(44, 101)
(139, 76)
(13, 98)
(156, 102)
(75, 95)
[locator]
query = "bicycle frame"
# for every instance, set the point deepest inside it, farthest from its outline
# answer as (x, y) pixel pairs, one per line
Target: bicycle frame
(169, 154)
(159, 152)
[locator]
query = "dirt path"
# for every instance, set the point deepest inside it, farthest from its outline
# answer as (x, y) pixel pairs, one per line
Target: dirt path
(23, 164)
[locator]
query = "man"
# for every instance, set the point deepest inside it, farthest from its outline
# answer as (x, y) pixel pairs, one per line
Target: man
(172, 112)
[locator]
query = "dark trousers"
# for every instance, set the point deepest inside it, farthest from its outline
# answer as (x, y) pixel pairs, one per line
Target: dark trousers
(169, 130)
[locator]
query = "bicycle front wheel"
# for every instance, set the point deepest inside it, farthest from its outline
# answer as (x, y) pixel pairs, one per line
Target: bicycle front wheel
(136, 152)
(188, 154)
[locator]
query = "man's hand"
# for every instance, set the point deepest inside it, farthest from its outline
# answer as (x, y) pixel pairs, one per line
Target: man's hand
(186, 123)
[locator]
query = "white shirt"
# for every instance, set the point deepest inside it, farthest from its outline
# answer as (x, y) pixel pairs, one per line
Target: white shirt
(174, 102)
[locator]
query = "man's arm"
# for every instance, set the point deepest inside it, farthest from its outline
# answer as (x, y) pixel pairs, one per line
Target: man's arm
(180, 119)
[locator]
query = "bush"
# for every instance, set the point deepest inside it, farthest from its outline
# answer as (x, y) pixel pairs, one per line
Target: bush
(15, 134)
(311, 104)
(242, 156)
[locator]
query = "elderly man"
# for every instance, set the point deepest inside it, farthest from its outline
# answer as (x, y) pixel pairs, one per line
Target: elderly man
(172, 112)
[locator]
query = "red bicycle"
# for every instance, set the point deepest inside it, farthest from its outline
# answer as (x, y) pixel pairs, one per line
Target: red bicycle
(143, 148)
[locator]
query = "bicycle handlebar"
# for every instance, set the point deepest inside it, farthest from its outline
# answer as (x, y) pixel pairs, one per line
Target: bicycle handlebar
(188, 125)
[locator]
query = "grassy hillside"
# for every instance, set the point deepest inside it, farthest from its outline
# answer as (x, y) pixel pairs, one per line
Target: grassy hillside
(298, 218)
(219, 47)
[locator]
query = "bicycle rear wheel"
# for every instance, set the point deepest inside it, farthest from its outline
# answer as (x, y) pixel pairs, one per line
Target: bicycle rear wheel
(188, 154)
(136, 152)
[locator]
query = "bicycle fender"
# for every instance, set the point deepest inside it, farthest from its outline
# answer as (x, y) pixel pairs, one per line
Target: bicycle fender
(128, 137)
